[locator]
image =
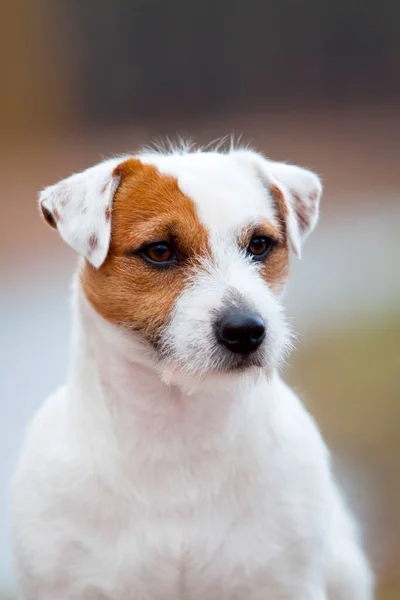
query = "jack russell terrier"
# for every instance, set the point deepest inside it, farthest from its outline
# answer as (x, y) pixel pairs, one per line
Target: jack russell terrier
(175, 464)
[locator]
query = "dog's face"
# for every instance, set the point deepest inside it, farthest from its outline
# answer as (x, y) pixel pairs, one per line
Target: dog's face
(190, 252)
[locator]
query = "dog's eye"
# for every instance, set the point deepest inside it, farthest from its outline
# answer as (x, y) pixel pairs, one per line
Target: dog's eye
(160, 253)
(260, 246)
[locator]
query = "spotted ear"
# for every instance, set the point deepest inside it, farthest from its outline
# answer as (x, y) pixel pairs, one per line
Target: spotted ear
(80, 208)
(296, 193)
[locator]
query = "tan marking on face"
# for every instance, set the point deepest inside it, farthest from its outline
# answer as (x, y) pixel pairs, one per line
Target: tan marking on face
(148, 207)
(276, 267)
(262, 227)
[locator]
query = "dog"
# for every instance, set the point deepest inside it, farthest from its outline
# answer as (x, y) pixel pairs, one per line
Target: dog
(175, 464)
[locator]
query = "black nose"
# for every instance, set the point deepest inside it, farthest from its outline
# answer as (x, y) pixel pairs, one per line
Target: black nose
(240, 331)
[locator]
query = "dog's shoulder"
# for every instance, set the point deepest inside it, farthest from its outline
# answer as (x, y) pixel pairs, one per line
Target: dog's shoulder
(294, 424)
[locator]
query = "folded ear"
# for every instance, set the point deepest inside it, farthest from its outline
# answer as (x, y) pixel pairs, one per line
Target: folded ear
(80, 208)
(295, 191)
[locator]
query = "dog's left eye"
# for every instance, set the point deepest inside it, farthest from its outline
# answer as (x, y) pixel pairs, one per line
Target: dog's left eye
(260, 246)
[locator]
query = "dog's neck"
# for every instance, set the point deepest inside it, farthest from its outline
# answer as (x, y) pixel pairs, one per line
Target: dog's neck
(116, 389)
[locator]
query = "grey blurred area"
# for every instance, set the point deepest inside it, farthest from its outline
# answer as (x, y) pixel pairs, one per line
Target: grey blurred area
(315, 83)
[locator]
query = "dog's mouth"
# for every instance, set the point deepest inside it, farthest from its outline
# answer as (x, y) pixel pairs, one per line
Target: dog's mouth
(236, 363)
(228, 372)
(216, 361)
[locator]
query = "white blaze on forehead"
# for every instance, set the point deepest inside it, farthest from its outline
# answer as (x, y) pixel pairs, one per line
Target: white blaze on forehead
(227, 194)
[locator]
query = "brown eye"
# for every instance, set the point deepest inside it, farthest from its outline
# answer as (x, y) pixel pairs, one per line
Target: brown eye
(161, 252)
(260, 246)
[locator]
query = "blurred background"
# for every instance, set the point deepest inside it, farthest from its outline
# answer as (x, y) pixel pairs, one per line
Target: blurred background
(315, 82)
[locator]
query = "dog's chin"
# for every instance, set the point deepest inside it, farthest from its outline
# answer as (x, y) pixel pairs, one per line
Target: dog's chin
(229, 372)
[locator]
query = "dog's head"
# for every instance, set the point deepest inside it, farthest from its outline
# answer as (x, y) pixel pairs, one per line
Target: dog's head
(189, 251)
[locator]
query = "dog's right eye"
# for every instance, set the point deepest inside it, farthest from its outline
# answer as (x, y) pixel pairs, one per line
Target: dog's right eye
(160, 254)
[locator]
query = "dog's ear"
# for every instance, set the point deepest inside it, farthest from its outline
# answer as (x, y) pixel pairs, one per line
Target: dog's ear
(296, 193)
(80, 208)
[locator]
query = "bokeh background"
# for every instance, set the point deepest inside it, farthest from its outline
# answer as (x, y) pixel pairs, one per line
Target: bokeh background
(315, 82)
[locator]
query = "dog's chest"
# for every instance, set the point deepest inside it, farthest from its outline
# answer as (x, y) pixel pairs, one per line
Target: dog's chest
(211, 558)
(224, 539)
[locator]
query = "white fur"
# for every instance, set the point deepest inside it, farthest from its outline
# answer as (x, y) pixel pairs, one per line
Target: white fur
(148, 479)
(81, 202)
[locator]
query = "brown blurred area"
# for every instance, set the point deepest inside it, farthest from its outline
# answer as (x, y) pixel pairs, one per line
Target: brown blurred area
(314, 83)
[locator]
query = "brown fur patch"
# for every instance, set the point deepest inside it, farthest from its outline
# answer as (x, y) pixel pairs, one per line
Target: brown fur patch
(302, 212)
(107, 214)
(279, 199)
(93, 242)
(276, 266)
(148, 207)
(275, 269)
(264, 227)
